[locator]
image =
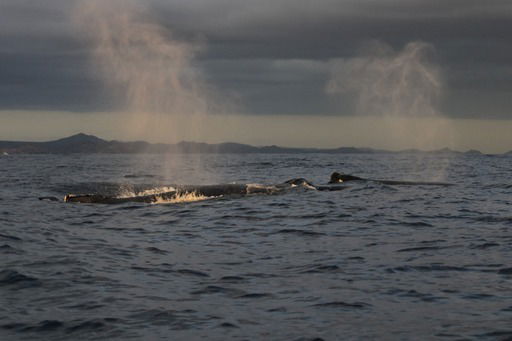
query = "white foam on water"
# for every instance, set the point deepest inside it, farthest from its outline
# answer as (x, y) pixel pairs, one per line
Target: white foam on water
(183, 198)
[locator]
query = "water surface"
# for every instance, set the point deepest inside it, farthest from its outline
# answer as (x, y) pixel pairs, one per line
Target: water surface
(369, 262)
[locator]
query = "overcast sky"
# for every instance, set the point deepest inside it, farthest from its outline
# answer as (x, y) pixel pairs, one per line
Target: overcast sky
(274, 56)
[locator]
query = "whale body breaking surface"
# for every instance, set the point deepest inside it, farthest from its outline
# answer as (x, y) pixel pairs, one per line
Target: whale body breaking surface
(182, 193)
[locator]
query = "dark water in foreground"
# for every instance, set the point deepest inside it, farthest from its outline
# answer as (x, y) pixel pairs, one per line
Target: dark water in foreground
(369, 262)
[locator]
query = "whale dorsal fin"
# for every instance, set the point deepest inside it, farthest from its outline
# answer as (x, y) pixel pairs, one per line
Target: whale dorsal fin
(340, 177)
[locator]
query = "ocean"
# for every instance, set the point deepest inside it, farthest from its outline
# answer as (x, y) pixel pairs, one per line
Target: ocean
(372, 261)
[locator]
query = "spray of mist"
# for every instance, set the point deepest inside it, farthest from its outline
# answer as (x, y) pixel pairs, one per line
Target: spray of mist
(401, 88)
(160, 94)
(389, 83)
(144, 65)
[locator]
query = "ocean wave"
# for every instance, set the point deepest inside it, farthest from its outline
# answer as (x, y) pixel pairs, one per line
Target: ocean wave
(18, 280)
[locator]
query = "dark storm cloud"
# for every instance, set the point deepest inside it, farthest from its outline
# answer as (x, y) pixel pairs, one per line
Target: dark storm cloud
(275, 55)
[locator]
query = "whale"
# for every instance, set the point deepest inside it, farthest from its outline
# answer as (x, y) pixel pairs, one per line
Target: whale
(203, 191)
(199, 190)
(337, 182)
(338, 178)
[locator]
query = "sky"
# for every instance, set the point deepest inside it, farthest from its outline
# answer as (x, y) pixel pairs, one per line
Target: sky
(369, 73)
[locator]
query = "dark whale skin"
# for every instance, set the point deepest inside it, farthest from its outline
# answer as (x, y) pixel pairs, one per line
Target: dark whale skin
(212, 191)
(337, 178)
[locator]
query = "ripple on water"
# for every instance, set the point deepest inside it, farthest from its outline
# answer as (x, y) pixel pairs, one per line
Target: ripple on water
(232, 279)
(9, 237)
(173, 319)
(156, 250)
(425, 248)
(8, 249)
(342, 305)
(17, 280)
(71, 328)
(320, 268)
(298, 232)
(505, 271)
(217, 289)
(426, 268)
(191, 272)
(484, 246)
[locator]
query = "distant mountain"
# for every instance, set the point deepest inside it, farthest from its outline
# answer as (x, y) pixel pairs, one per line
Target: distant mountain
(82, 143)
(79, 143)
(473, 152)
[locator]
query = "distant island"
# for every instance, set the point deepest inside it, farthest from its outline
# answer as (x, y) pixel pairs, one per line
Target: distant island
(82, 143)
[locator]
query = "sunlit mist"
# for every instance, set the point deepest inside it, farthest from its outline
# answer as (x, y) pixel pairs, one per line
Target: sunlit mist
(403, 87)
(143, 62)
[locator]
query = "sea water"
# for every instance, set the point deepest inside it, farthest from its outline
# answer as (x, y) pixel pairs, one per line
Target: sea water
(372, 261)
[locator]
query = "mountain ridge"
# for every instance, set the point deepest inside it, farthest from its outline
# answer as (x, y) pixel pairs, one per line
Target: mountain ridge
(84, 143)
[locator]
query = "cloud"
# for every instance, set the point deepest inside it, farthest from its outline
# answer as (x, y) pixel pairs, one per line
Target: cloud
(273, 54)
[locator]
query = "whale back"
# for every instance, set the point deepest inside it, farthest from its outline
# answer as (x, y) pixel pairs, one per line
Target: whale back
(340, 177)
